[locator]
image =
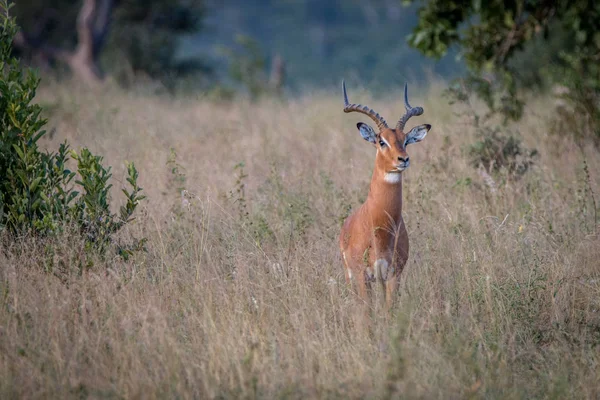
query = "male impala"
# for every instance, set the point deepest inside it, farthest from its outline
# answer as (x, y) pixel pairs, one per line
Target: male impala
(374, 241)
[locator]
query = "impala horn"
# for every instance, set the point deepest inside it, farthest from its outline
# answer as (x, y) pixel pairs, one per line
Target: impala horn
(378, 119)
(410, 111)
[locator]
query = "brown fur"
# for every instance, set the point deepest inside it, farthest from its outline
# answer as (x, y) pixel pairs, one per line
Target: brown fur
(376, 230)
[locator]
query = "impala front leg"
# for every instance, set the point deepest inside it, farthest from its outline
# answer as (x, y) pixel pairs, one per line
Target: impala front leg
(391, 287)
(400, 257)
(364, 288)
(356, 274)
(382, 270)
(347, 271)
(383, 240)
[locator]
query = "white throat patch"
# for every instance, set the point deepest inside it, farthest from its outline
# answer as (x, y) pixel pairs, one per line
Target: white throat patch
(392, 177)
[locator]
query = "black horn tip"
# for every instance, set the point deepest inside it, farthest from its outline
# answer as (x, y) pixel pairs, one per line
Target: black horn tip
(346, 101)
(406, 104)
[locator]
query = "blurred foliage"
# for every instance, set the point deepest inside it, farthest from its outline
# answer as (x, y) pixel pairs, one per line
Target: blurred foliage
(147, 33)
(39, 194)
(498, 99)
(495, 148)
(522, 43)
(143, 37)
(319, 41)
(247, 67)
(322, 41)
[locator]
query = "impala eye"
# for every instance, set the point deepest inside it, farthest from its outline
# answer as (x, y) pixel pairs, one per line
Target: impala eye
(382, 143)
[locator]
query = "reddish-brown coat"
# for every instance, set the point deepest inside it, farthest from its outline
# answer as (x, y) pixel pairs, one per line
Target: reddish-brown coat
(374, 240)
(376, 230)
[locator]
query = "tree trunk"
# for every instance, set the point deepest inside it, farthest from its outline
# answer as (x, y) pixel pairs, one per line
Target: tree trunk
(277, 79)
(93, 24)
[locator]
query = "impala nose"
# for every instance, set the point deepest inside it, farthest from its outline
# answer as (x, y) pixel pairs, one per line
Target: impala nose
(403, 159)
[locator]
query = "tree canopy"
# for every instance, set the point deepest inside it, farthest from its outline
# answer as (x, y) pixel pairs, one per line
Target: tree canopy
(520, 42)
(491, 33)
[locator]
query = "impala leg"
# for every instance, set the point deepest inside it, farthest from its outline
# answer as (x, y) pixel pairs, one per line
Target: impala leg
(400, 256)
(381, 272)
(382, 292)
(356, 279)
(364, 289)
(364, 293)
(347, 271)
(391, 288)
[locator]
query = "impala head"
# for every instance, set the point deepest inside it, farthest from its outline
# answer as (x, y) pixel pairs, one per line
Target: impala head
(391, 157)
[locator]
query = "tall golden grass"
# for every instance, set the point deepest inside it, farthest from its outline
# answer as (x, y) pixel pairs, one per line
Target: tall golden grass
(240, 292)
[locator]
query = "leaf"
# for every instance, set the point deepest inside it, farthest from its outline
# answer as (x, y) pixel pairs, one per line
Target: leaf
(19, 151)
(38, 136)
(35, 184)
(36, 204)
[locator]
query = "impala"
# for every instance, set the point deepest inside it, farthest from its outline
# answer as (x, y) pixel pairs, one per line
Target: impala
(373, 240)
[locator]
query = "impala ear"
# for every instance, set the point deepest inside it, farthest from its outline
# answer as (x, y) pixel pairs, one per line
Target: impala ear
(417, 134)
(367, 132)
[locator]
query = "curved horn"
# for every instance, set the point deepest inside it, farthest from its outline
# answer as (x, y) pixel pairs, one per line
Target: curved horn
(410, 111)
(378, 119)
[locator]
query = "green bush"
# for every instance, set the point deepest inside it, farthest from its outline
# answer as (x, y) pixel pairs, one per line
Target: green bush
(522, 45)
(39, 194)
(495, 148)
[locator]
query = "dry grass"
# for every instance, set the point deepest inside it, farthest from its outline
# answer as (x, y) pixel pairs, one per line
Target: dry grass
(241, 292)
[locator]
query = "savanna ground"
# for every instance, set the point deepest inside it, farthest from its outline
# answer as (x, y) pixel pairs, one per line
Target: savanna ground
(240, 290)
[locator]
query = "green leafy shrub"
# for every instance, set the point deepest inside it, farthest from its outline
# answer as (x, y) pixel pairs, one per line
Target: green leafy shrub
(523, 45)
(578, 105)
(494, 149)
(39, 194)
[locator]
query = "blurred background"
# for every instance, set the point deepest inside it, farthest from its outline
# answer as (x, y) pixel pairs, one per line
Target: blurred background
(323, 41)
(236, 44)
(263, 46)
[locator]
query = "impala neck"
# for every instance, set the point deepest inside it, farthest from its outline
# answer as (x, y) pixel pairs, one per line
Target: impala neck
(385, 195)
